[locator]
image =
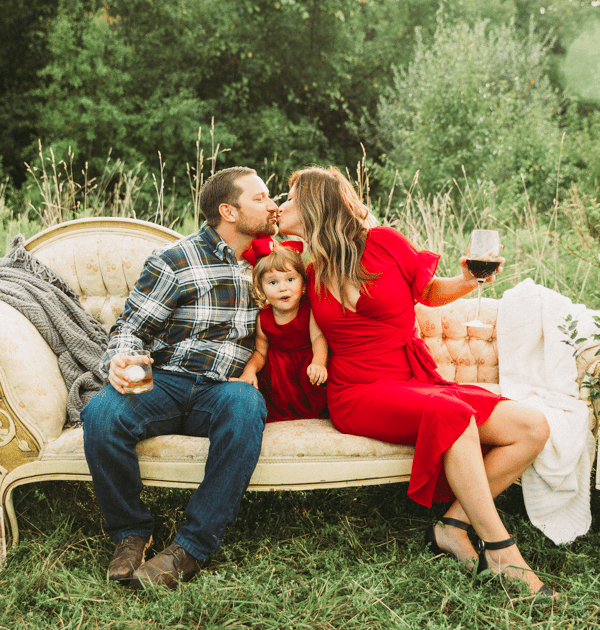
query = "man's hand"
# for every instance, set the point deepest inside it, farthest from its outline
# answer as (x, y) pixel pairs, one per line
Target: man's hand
(247, 377)
(117, 376)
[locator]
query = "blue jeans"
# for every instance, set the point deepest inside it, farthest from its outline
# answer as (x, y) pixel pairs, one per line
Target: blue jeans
(232, 415)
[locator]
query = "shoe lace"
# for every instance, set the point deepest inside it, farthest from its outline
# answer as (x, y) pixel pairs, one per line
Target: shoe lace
(128, 542)
(180, 554)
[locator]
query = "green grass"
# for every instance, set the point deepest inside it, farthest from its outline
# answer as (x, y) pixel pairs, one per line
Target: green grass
(352, 558)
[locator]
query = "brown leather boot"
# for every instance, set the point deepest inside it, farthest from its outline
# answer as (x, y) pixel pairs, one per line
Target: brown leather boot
(129, 554)
(167, 568)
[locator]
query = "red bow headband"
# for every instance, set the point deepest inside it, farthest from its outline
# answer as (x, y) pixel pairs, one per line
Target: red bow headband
(263, 245)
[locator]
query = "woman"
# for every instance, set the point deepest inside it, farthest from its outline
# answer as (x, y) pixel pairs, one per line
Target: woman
(363, 283)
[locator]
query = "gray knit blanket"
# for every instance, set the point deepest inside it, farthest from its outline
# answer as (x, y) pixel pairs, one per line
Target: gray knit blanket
(47, 301)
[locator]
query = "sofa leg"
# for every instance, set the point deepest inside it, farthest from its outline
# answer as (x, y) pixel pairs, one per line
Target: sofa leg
(9, 524)
(2, 538)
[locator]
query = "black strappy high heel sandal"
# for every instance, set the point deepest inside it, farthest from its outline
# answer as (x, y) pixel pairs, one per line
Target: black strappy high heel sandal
(482, 565)
(431, 540)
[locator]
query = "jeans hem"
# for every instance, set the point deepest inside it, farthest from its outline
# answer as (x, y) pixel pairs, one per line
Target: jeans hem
(191, 549)
(129, 532)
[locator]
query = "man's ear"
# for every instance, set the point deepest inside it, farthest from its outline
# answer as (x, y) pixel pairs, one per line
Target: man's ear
(228, 212)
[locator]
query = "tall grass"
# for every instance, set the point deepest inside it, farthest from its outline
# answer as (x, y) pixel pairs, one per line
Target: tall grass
(55, 193)
(558, 249)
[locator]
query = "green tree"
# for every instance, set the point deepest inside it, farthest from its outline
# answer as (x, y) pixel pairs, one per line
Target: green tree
(477, 98)
(23, 52)
(287, 83)
(85, 104)
(283, 80)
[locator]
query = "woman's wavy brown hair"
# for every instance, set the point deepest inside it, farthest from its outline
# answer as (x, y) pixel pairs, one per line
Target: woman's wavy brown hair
(333, 217)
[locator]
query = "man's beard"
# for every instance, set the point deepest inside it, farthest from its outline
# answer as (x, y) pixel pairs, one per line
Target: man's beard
(252, 229)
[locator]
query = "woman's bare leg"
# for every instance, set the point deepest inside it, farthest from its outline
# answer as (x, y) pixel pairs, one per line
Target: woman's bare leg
(467, 476)
(518, 434)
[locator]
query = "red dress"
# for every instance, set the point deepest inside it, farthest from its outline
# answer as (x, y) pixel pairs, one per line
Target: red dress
(288, 392)
(382, 381)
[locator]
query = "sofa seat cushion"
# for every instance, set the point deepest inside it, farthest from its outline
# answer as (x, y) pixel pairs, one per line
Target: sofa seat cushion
(283, 441)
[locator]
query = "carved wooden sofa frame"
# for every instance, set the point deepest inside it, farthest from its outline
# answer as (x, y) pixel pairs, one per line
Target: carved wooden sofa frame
(101, 258)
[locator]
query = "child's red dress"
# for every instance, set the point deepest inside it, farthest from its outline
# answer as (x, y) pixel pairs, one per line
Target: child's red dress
(288, 392)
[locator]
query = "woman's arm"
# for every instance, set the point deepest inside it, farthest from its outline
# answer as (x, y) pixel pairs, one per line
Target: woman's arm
(317, 372)
(256, 362)
(442, 291)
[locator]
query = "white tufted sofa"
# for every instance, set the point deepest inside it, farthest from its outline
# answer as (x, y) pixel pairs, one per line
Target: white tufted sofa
(101, 259)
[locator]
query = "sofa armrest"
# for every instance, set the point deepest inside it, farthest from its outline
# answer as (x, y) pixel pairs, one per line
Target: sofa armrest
(31, 385)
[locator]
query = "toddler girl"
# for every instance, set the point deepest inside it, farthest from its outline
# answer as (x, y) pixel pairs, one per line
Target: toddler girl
(288, 365)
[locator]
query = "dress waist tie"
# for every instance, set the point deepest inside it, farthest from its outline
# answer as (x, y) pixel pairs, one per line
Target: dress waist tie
(421, 362)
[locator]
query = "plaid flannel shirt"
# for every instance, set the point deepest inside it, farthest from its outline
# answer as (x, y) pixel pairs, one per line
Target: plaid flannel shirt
(192, 308)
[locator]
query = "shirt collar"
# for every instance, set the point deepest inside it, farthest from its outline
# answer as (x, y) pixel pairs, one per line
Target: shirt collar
(223, 251)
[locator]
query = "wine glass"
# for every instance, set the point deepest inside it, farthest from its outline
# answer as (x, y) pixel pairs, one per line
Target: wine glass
(484, 245)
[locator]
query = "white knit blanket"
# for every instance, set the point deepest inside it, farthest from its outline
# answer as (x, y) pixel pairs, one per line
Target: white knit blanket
(538, 368)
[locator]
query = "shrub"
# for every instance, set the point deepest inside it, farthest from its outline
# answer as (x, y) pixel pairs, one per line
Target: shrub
(477, 100)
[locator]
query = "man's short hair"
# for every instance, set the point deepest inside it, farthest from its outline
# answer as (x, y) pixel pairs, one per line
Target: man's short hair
(221, 188)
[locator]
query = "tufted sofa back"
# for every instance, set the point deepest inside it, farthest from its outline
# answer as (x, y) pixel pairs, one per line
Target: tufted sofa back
(462, 355)
(100, 258)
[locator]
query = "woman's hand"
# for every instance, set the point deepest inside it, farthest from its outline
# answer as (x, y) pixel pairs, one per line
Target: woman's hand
(469, 277)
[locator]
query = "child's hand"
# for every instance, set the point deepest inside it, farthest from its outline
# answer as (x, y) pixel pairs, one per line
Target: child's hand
(317, 374)
(247, 377)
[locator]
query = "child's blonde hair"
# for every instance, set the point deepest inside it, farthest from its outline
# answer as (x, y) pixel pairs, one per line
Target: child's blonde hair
(280, 259)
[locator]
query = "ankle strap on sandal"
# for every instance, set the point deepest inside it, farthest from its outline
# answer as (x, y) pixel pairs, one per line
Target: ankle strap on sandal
(494, 546)
(455, 523)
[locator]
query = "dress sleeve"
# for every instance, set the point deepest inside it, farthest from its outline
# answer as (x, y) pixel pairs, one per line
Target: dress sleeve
(417, 267)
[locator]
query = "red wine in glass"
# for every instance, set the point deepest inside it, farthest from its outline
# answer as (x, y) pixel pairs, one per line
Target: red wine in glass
(482, 268)
(484, 247)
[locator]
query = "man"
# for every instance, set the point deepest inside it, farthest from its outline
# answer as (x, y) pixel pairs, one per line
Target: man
(192, 308)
